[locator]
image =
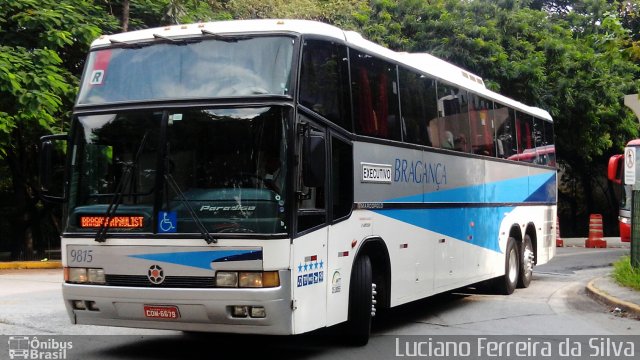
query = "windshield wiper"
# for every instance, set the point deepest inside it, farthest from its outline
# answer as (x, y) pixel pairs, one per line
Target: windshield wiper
(203, 230)
(101, 234)
(225, 38)
(127, 45)
(176, 41)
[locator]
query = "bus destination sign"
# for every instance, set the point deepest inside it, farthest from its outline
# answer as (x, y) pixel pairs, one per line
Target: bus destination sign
(119, 221)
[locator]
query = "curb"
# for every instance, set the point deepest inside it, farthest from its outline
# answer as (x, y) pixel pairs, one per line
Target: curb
(30, 265)
(604, 297)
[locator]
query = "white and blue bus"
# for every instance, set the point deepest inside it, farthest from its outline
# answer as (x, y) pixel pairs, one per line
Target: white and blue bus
(281, 176)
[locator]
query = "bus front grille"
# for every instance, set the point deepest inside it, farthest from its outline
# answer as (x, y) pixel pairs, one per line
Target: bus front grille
(169, 281)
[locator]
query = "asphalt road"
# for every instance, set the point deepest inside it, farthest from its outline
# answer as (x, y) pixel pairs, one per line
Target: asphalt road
(553, 307)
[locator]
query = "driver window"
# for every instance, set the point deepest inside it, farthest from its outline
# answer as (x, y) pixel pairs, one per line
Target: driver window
(311, 199)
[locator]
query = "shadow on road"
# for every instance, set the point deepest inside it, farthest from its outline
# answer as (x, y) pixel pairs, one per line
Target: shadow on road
(312, 345)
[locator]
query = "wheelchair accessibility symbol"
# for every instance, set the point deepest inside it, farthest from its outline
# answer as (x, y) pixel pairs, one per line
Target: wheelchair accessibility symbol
(167, 221)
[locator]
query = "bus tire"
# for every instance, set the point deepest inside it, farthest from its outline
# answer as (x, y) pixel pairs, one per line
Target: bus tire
(526, 263)
(506, 284)
(358, 327)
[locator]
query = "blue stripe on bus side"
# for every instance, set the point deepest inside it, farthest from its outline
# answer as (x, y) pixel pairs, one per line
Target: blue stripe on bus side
(198, 259)
(546, 191)
(535, 188)
(477, 226)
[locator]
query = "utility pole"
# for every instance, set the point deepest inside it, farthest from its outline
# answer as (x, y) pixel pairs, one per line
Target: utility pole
(632, 177)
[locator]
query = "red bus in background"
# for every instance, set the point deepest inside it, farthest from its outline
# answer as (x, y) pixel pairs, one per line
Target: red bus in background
(615, 173)
(543, 155)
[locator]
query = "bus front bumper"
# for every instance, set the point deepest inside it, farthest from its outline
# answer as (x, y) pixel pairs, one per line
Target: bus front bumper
(205, 310)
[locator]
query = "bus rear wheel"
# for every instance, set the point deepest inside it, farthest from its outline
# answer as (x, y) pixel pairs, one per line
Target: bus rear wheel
(361, 304)
(506, 284)
(526, 263)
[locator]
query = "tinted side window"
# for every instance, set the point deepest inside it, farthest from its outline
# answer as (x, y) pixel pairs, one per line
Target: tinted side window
(341, 178)
(506, 143)
(481, 123)
(524, 132)
(452, 124)
(311, 198)
(418, 106)
(374, 89)
(324, 81)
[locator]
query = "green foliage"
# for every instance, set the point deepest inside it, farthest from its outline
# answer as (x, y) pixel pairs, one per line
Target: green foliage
(337, 12)
(35, 81)
(626, 275)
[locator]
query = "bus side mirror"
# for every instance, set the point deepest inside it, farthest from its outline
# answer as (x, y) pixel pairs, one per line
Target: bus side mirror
(614, 169)
(314, 160)
(46, 169)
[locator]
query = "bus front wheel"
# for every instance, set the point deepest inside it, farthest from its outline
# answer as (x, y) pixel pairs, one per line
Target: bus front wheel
(358, 327)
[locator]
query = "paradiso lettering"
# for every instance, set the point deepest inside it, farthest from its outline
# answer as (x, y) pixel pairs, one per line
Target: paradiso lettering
(420, 172)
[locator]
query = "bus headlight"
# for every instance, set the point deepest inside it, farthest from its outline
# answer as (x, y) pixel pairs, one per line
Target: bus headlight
(77, 275)
(248, 279)
(226, 279)
(95, 276)
(84, 275)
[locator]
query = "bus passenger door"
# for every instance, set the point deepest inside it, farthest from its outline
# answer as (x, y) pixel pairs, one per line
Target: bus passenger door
(309, 257)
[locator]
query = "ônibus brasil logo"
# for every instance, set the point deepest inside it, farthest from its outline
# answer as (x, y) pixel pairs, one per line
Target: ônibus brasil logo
(31, 348)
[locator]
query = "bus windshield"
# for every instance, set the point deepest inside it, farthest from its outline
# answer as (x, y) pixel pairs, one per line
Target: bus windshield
(227, 165)
(193, 69)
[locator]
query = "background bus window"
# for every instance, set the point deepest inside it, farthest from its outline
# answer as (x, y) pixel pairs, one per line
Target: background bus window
(452, 124)
(538, 138)
(481, 125)
(324, 76)
(506, 144)
(547, 151)
(418, 106)
(375, 96)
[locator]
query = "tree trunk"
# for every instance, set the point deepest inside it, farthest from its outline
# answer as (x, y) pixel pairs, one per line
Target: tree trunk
(22, 241)
(125, 15)
(25, 218)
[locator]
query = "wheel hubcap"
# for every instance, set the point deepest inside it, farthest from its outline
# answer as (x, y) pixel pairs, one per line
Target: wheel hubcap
(528, 261)
(373, 299)
(513, 265)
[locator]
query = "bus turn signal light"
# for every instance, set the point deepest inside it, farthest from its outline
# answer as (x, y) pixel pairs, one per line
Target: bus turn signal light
(248, 279)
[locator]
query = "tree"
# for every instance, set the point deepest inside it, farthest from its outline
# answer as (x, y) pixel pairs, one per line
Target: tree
(336, 12)
(43, 44)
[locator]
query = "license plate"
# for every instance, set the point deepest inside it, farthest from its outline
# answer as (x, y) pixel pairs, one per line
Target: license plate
(161, 312)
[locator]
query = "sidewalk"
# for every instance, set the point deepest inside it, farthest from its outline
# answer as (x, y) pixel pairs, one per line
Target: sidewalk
(622, 299)
(50, 264)
(612, 242)
(604, 289)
